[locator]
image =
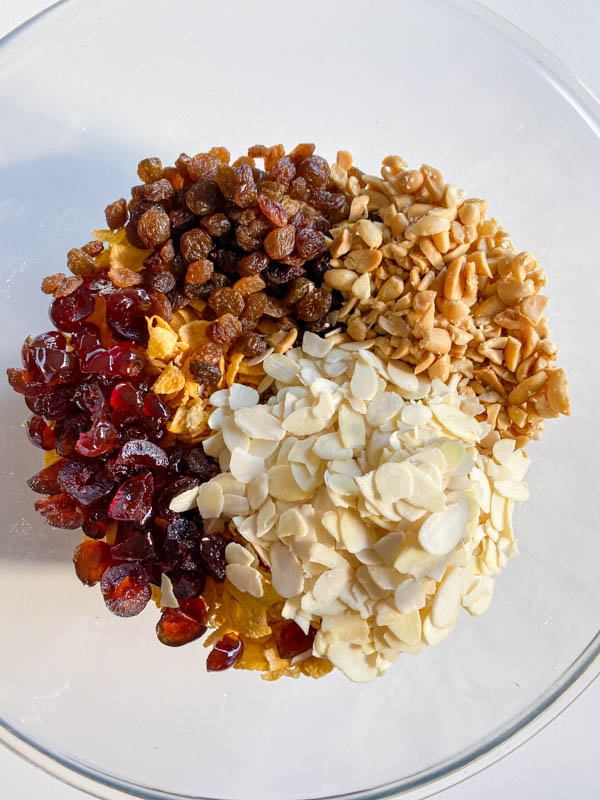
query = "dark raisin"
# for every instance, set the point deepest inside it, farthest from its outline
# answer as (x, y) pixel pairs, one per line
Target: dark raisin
(85, 483)
(212, 555)
(298, 189)
(116, 214)
(250, 344)
(280, 242)
(275, 307)
(205, 467)
(181, 219)
(315, 171)
(177, 299)
(334, 206)
(255, 306)
(93, 248)
(209, 352)
(61, 285)
(225, 261)
(309, 243)
(296, 290)
(226, 301)
(300, 152)
(216, 224)
(246, 239)
(280, 273)
(80, 263)
(313, 305)
(252, 263)
(203, 197)
(154, 227)
(245, 193)
(222, 153)
(160, 282)
(316, 269)
(199, 271)
(224, 330)
(272, 210)
(226, 182)
(272, 190)
(258, 151)
(283, 171)
(207, 374)
(149, 169)
(202, 165)
(158, 190)
(195, 244)
(181, 165)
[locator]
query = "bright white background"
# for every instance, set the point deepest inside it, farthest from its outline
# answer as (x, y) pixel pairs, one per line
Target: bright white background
(562, 761)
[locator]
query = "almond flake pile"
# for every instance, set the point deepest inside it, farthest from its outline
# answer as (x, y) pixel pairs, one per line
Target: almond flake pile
(378, 501)
(442, 288)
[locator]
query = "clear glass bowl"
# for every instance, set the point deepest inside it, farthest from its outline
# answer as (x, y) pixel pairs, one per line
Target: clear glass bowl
(89, 88)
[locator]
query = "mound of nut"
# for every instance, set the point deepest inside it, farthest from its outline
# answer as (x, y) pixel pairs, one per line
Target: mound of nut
(289, 403)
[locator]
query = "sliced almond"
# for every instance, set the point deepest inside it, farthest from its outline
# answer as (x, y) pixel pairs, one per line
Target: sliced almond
(184, 501)
(210, 500)
(443, 530)
(447, 601)
(259, 423)
(286, 572)
(351, 428)
(245, 467)
(238, 554)
(241, 396)
(457, 422)
(245, 578)
(409, 596)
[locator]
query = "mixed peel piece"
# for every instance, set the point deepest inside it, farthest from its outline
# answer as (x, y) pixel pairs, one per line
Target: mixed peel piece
(289, 403)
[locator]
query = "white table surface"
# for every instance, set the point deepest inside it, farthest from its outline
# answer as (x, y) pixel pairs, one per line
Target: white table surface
(561, 762)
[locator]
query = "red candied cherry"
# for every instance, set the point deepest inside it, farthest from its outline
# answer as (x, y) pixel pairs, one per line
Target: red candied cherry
(86, 339)
(60, 511)
(46, 480)
(55, 366)
(100, 438)
(137, 547)
(195, 607)
(225, 653)
(291, 640)
(125, 397)
(126, 589)
(155, 408)
(133, 500)
(142, 453)
(90, 397)
(40, 433)
(24, 382)
(85, 482)
(53, 402)
(68, 312)
(125, 361)
(91, 560)
(175, 628)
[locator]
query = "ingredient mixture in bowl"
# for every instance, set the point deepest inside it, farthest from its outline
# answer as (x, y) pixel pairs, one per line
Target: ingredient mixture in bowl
(289, 402)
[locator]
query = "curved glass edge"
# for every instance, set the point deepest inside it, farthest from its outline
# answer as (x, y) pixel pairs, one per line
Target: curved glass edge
(549, 706)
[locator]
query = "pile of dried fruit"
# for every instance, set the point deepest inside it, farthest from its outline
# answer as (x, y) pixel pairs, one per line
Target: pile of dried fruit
(336, 503)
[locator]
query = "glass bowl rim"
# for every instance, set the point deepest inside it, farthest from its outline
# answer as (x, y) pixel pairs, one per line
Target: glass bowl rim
(520, 729)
